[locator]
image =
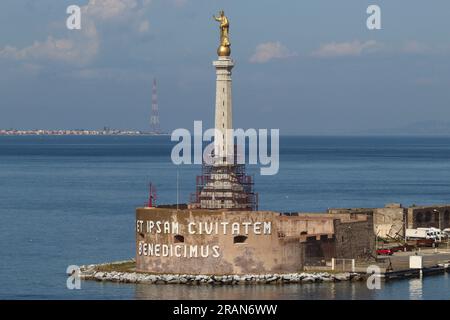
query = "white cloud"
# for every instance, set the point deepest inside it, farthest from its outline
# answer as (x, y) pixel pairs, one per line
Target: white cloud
(108, 9)
(144, 26)
(415, 47)
(79, 47)
(78, 50)
(354, 48)
(270, 50)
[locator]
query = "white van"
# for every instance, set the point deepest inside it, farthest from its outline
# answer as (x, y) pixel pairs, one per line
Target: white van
(435, 233)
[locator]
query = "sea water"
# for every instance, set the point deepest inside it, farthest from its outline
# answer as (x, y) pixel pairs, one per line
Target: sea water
(70, 200)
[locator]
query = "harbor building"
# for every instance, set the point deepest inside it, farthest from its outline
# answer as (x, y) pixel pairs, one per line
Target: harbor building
(391, 221)
(201, 241)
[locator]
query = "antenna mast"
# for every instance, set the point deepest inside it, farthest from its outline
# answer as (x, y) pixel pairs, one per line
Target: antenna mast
(154, 118)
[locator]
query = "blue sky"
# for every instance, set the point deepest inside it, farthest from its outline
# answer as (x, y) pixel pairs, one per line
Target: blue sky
(306, 67)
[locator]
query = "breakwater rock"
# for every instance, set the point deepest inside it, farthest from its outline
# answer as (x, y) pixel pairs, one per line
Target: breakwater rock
(100, 273)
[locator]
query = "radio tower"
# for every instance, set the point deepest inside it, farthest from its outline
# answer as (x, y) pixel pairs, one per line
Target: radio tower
(154, 118)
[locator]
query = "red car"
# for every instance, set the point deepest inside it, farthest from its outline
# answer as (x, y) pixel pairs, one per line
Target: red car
(385, 252)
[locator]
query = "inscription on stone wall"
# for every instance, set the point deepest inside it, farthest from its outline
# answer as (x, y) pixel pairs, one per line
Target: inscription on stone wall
(184, 250)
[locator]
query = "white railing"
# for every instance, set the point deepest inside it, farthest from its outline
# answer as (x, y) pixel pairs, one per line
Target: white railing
(343, 264)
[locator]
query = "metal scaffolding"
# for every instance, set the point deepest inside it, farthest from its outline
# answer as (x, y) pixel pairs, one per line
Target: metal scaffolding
(224, 186)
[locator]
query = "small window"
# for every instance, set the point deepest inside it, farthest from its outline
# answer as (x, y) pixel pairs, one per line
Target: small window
(239, 239)
(178, 238)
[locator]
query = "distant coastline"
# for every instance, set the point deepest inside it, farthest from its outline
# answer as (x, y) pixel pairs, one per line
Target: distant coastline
(78, 132)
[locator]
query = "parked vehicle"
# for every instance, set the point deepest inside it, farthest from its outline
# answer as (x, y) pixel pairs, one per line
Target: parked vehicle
(385, 252)
(420, 233)
(441, 235)
(446, 232)
(435, 232)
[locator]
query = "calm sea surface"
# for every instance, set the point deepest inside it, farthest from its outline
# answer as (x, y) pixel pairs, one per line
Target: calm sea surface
(71, 200)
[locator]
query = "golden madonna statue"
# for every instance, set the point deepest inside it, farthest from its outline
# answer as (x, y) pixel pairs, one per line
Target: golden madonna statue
(224, 49)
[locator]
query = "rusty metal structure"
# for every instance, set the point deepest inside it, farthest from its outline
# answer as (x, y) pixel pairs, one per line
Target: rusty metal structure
(151, 195)
(224, 185)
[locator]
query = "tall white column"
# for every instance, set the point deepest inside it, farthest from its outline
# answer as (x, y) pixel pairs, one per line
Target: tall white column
(223, 144)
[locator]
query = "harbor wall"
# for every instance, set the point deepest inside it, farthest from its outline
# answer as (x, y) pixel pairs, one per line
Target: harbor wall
(194, 241)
